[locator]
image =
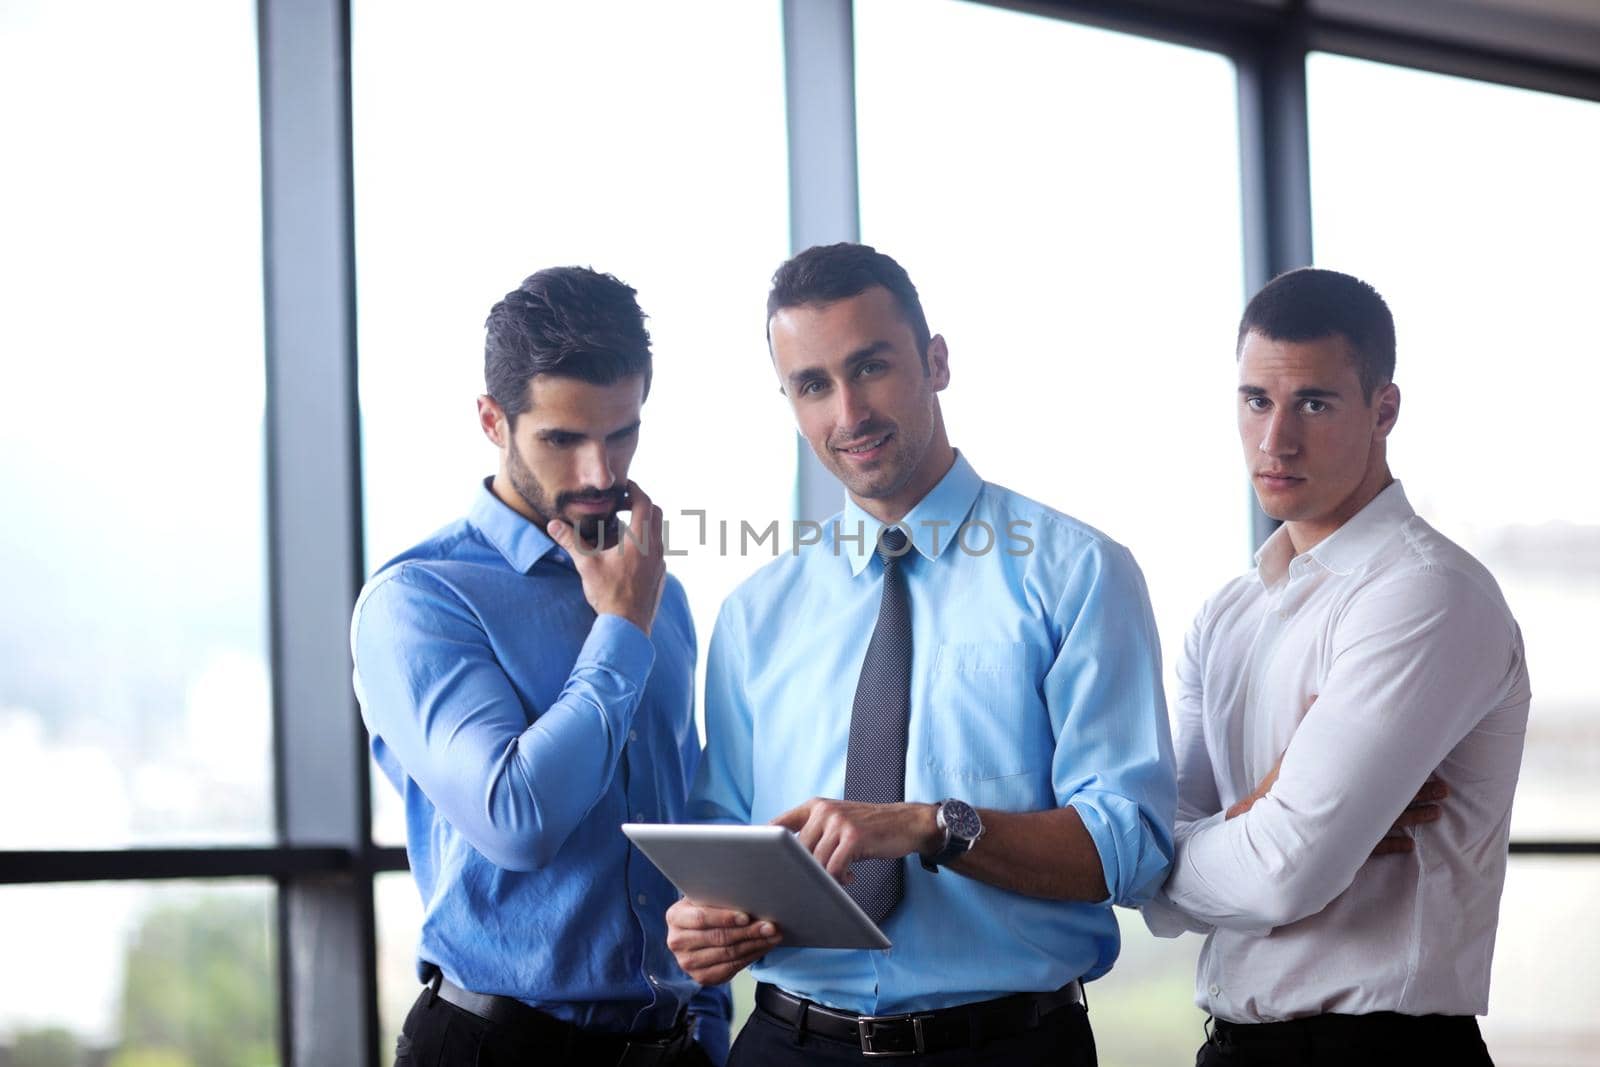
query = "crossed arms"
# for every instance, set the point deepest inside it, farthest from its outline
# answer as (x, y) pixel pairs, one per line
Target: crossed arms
(1416, 666)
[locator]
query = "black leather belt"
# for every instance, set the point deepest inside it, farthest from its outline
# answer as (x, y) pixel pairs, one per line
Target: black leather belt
(913, 1033)
(621, 1050)
(1386, 1028)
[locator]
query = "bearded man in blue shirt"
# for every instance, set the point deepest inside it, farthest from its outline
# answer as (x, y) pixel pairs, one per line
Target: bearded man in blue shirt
(527, 675)
(954, 674)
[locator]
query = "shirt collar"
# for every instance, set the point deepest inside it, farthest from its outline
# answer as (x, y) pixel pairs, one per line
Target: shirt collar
(932, 525)
(1342, 551)
(515, 537)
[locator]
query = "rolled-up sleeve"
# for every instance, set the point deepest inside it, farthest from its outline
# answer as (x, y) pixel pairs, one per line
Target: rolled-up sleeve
(1113, 761)
(432, 691)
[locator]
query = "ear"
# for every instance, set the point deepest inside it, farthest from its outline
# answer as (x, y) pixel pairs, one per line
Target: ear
(938, 362)
(492, 421)
(1387, 401)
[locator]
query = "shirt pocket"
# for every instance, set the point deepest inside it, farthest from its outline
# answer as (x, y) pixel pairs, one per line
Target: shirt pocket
(986, 734)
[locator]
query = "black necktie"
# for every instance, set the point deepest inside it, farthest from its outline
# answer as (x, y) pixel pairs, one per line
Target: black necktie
(875, 769)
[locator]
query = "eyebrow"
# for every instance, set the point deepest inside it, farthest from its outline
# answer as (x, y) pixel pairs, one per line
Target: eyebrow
(852, 361)
(1308, 393)
(556, 431)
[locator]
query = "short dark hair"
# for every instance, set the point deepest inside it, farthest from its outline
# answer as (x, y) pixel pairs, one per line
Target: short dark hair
(573, 322)
(1309, 304)
(823, 274)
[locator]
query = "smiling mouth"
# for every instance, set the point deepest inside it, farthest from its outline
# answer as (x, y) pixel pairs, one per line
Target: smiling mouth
(866, 446)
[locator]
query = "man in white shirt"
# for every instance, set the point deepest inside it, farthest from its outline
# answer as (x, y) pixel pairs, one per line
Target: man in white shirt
(1367, 669)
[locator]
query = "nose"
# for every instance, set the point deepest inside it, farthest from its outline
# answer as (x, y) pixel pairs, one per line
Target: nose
(853, 408)
(1279, 438)
(595, 467)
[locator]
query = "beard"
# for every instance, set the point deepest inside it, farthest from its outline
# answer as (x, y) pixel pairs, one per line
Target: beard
(596, 531)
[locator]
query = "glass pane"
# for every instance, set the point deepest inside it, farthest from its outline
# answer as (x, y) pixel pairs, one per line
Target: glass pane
(1068, 208)
(134, 689)
(399, 911)
(1143, 1011)
(1472, 208)
(170, 974)
(1545, 985)
(531, 135)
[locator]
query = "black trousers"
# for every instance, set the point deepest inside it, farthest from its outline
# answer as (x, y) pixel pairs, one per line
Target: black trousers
(1381, 1039)
(1062, 1039)
(439, 1034)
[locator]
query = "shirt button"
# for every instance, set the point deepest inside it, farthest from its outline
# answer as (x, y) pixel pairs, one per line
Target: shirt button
(638, 816)
(633, 735)
(643, 900)
(1214, 989)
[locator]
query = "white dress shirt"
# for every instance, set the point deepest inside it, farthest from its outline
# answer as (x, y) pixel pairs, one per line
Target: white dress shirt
(1414, 664)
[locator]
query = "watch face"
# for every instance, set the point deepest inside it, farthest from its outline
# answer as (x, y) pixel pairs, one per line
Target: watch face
(961, 819)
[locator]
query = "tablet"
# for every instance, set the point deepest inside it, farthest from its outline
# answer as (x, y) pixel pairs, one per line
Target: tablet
(762, 870)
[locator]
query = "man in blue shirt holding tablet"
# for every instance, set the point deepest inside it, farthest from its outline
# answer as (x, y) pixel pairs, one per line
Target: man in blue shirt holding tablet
(955, 675)
(527, 675)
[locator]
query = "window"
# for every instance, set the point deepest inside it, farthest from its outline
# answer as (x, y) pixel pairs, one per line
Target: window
(526, 142)
(134, 692)
(175, 973)
(1068, 207)
(1472, 209)
(1544, 982)
(399, 919)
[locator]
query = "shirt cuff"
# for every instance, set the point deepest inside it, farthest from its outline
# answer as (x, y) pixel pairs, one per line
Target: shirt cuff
(1131, 865)
(619, 646)
(1166, 919)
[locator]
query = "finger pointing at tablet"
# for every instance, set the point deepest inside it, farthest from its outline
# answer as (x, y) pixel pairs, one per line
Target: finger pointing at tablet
(839, 832)
(714, 944)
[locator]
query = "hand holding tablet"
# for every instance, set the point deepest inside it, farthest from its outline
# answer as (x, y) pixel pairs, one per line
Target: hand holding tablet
(713, 944)
(764, 872)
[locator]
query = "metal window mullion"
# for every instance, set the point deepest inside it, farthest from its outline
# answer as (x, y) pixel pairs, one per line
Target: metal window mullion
(1542, 56)
(1478, 62)
(1274, 173)
(1216, 25)
(142, 864)
(326, 933)
(824, 202)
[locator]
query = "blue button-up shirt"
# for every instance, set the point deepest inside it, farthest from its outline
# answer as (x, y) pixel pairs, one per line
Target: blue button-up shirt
(1036, 683)
(521, 730)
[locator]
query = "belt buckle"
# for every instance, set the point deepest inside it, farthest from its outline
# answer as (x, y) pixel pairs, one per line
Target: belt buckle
(867, 1027)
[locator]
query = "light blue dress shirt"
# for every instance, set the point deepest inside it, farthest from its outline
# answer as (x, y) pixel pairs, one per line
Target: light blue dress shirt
(521, 730)
(1036, 683)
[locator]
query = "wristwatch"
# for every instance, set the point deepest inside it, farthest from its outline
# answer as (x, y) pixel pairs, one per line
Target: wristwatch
(962, 827)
